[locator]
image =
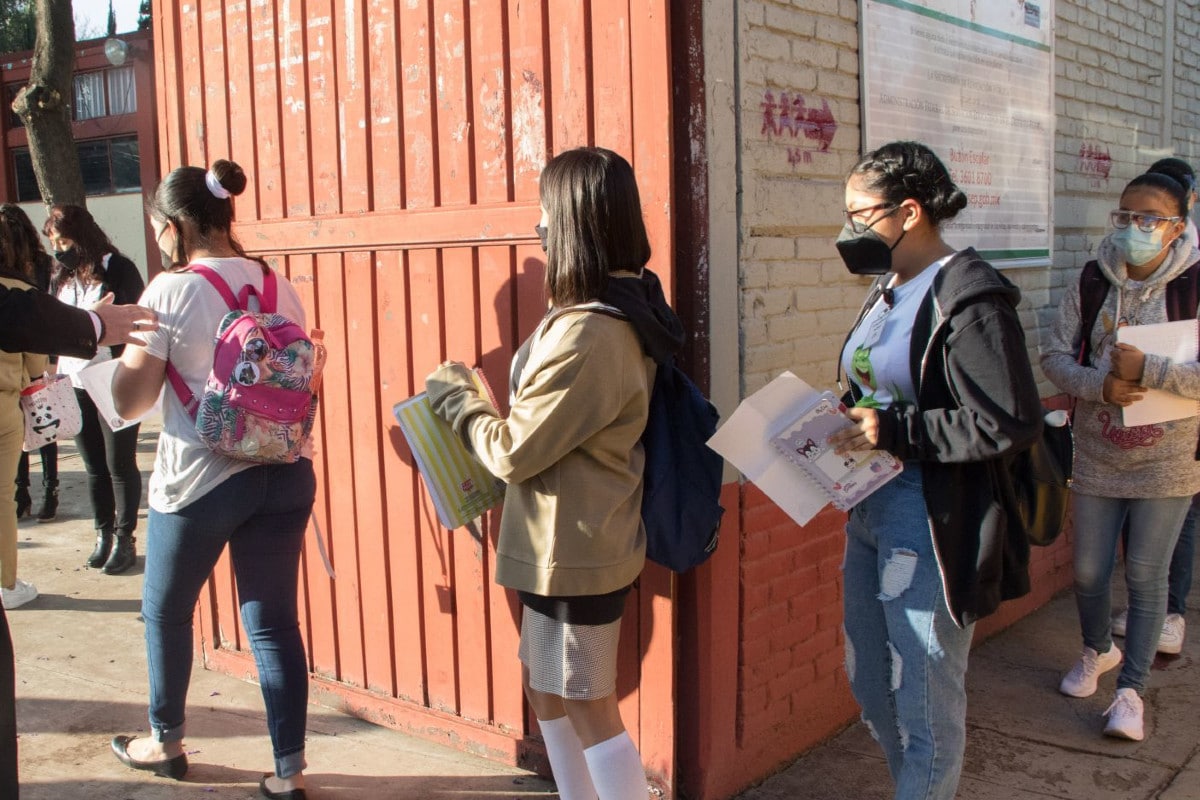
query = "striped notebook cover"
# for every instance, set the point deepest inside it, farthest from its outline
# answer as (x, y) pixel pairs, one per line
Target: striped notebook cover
(461, 488)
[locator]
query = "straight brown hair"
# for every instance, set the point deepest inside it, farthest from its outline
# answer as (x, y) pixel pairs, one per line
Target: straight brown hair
(595, 223)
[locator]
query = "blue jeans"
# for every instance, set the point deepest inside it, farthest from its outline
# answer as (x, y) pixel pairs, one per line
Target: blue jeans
(1153, 529)
(262, 513)
(906, 658)
(1179, 577)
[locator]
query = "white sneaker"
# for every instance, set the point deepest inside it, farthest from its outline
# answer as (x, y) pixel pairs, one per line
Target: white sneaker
(1125, 716)
(1081, 680)
(21, 593)
(1119, 622)
(1170, 641)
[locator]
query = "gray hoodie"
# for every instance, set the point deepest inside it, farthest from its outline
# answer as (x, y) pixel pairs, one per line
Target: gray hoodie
(1111, 460)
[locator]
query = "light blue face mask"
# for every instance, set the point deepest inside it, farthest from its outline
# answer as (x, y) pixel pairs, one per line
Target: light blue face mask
(1137, 246)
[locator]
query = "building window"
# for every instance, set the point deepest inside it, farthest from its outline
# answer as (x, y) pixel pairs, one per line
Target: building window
(109, 166)
(89, 95)
(122, 94)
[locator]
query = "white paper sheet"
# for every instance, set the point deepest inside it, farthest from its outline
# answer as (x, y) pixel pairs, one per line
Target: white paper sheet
(745, 441)
(1176, 341)
(97, 381)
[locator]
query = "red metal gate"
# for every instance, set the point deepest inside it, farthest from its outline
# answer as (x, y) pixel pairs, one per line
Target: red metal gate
(394, 148)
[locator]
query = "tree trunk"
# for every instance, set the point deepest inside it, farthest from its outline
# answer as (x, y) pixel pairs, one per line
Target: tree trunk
(44, 105)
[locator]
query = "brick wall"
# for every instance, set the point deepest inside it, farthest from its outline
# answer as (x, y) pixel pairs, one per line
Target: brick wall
(797, 78)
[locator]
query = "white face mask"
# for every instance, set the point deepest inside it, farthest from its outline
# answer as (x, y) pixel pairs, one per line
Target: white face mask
(1138, 247)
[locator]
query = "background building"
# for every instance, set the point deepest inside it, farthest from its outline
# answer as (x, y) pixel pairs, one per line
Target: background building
(114, 127)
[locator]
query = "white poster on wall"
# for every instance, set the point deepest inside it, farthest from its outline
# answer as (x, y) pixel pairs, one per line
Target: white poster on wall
(975, 82)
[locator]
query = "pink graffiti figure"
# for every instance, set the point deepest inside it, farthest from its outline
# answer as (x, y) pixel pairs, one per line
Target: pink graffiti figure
(769, 125)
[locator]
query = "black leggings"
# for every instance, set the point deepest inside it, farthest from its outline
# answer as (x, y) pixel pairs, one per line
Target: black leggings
(110, 459)
(49, 454)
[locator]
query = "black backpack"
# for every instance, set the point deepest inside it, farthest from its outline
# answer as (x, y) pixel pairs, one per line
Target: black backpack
(681, 496)
(681, 492)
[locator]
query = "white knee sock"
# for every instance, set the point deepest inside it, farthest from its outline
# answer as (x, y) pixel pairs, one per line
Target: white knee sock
(565, 752)
(616, 769)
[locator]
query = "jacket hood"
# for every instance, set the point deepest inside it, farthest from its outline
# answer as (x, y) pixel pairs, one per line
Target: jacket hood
(641, 299)
(1181, 254)
(967, 276)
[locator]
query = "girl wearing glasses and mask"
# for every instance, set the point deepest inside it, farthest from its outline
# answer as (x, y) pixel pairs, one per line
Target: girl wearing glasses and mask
(941, 378)
(1148, 473)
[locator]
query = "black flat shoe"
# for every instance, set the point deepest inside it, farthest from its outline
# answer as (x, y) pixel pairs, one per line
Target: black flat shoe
(294, 794)
(175, 767)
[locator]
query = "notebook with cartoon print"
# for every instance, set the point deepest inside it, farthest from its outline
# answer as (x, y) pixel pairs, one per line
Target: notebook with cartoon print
(848, 478)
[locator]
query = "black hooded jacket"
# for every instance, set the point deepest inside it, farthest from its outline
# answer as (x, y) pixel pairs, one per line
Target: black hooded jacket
(977, 406)
(640, 298)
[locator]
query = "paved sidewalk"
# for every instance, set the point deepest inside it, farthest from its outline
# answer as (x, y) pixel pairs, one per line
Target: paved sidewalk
(81, 679)
(1025, 741)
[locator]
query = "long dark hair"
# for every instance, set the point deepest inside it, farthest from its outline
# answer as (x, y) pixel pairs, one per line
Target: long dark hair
(91, 242)
(899, 171)
(595, 215)
(23, 251)
(185, 195)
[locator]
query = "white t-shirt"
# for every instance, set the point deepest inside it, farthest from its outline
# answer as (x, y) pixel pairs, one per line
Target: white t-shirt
(876, 356)
(189, 310)
(74, 293)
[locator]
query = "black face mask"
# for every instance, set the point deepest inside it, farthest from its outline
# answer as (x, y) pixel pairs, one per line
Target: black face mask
(865, 253)
(542, 235)
(68, 258)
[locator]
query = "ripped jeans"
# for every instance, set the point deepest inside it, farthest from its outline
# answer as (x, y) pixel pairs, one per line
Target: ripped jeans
(905, 657)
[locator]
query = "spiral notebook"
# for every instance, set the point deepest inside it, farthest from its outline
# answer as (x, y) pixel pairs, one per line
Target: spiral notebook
(848, 478)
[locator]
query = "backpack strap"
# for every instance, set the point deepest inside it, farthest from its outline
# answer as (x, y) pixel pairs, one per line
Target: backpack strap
(267, 300)
(1093, 288)
(1183, 296)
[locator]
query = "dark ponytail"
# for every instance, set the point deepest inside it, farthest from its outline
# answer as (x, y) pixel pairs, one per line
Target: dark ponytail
(185, 194)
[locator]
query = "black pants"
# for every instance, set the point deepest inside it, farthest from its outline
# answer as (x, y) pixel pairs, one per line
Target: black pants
(49, 454)
(110, 459)
(8, 714)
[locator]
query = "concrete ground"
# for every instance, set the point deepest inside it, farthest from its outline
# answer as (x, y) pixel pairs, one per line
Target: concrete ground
(81, 679)
(1025, 741)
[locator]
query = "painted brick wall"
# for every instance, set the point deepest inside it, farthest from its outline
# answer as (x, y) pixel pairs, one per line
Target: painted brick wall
(799, 132)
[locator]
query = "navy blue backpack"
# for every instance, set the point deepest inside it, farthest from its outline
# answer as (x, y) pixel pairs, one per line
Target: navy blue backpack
(681, 505)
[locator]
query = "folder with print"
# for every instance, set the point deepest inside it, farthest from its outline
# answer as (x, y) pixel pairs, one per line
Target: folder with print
(846, 478)
(461, 488)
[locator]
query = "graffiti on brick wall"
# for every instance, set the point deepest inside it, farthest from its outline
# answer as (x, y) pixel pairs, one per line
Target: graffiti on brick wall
(1095, 163)
(790, 116)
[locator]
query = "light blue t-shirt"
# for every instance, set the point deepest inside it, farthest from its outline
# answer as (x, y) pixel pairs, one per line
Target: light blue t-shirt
(876, 354)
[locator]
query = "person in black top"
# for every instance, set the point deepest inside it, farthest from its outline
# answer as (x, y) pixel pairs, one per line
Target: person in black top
(34, 322)
(90, 267)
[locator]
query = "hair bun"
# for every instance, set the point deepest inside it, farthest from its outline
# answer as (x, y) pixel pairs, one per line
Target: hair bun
(230, 175)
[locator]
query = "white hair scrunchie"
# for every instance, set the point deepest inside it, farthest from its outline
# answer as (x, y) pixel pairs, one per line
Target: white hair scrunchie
(214, 185)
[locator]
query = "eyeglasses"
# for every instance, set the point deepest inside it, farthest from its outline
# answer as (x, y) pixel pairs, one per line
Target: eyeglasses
(861, 225)
(1146, 223)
